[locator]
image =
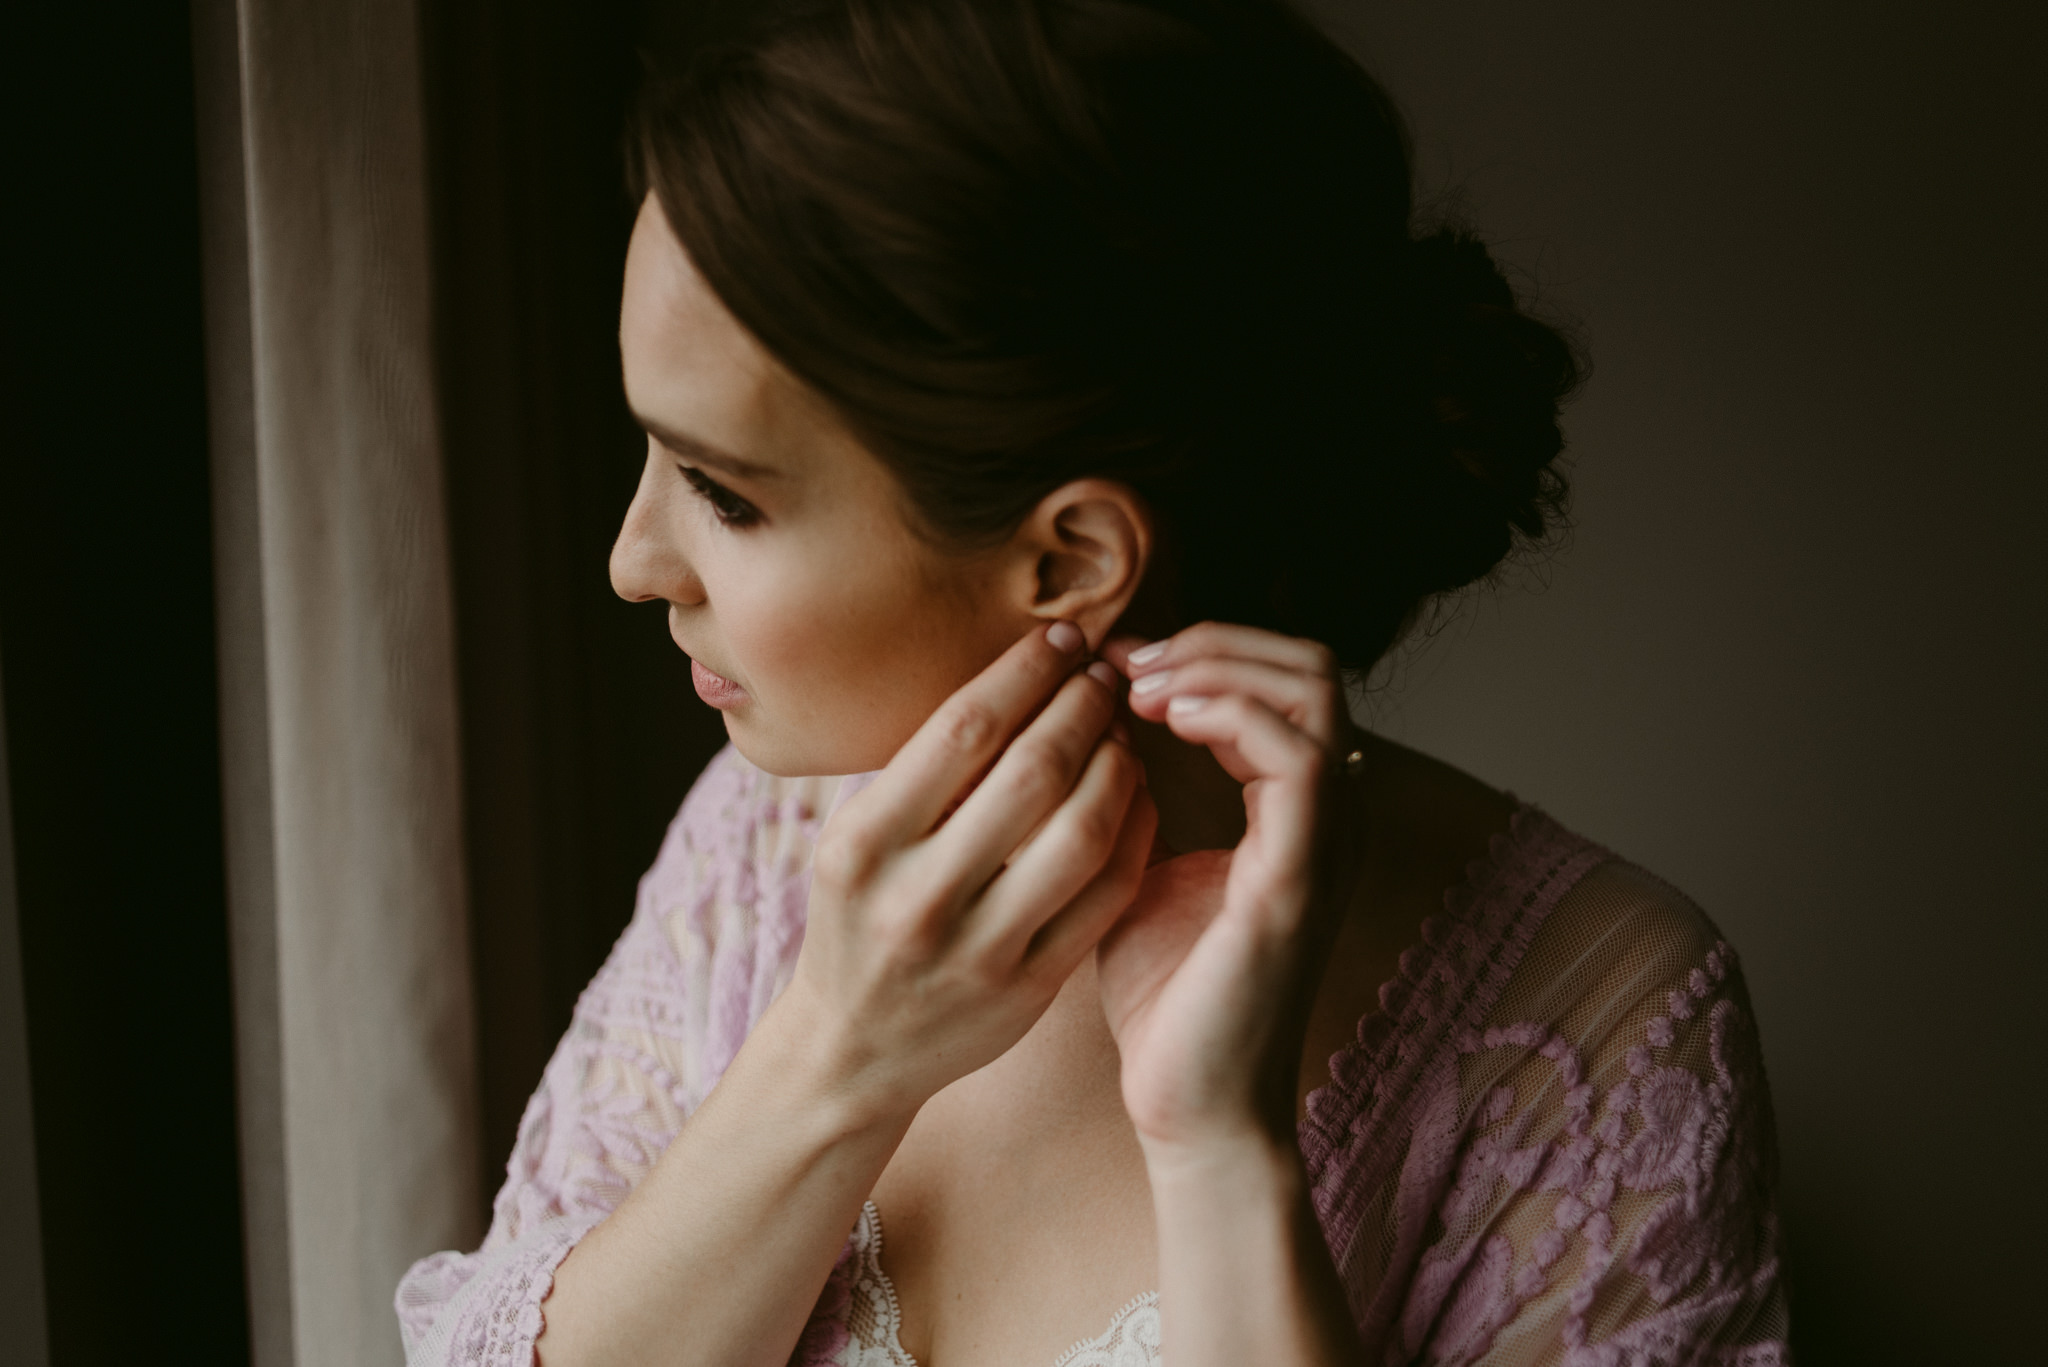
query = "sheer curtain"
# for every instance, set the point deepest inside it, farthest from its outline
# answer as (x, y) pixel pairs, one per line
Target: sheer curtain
(356, 1052)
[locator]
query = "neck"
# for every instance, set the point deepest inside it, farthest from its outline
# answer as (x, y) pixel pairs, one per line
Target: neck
(1200, 806)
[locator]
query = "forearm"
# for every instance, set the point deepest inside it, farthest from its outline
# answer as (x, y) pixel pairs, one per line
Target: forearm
(718, 1255)
(1244, 1274)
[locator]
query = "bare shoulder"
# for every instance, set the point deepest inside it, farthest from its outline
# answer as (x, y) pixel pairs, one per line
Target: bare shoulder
(1619, 935)
(1425, 821)
(1428, 821)
(1651, 914)
(1422, 824)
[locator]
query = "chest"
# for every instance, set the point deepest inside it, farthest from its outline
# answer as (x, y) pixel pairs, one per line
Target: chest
(1016, 1213)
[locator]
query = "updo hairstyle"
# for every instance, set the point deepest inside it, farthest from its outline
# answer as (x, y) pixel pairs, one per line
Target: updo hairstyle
(1166, 242)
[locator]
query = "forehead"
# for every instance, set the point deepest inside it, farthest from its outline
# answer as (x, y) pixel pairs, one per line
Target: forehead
(689, 365)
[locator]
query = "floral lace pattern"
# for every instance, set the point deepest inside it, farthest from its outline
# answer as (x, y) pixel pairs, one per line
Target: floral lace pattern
(1553, 1144)
(1550, 1147)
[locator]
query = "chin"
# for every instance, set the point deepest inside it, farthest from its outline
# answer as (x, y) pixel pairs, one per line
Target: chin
(798, 757)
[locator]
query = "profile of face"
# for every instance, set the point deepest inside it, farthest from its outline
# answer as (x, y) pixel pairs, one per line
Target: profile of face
(816, 614)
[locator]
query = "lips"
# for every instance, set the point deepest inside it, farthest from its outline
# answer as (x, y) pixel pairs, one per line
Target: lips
(716, 689)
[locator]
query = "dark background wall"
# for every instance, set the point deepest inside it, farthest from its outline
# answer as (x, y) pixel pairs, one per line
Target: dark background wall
(1793, 658)
(106, 628)
(581, 730)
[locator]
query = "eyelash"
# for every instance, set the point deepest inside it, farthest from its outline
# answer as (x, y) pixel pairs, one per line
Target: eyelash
(728, 507)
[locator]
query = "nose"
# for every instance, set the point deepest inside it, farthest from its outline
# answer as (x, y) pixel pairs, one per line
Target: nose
(648, 561)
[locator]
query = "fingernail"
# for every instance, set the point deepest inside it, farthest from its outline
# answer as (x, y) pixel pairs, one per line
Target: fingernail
(1145, 655)
(1186, 703)
(1120, 733)
(1103, 673)
(1150, 683)
(1065, 636)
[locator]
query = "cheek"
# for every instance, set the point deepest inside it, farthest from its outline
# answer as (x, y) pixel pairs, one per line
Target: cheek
(846, 655)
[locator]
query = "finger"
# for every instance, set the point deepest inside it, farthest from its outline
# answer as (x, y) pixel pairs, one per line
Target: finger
(1309, 702)
(1076, 927)
(1221, 638)
(967, 731)
(1062, 857)
(1035, 777)
(1255, 743)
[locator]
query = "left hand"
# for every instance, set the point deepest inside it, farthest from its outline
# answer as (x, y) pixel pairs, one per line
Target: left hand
(1208, 978)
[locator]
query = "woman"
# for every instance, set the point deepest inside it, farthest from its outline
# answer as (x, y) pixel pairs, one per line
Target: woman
(1048, 403)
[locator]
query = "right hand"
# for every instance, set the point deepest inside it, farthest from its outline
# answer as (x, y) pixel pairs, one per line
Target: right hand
(938, 935)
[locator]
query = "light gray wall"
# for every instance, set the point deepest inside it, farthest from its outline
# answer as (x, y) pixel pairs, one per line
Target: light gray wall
(1792, 658)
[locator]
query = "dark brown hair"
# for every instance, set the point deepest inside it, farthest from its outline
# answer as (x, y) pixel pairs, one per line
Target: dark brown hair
(1167, 242)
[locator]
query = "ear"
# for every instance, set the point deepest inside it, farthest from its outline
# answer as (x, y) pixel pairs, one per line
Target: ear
(1082, 552)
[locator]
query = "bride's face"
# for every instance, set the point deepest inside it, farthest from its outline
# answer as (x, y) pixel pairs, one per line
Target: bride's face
(814, 617)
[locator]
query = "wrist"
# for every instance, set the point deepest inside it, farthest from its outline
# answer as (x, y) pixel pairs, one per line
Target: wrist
(837, 1082)
(1245, 1159)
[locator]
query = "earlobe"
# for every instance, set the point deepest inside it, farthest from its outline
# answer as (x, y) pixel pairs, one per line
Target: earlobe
(1090, 542)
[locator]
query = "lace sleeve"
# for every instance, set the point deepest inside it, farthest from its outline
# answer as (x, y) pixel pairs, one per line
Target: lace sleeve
(1612, 1202)
(713, 938)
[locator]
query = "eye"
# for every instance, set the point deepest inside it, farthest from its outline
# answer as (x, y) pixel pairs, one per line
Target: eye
(728, 507)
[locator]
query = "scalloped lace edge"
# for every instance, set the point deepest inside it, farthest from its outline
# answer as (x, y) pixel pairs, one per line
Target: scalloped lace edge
(1457, 902)
(871, 1267)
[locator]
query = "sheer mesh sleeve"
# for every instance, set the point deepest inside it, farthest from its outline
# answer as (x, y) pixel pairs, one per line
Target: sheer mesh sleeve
(1611, 1200)
(713, 938)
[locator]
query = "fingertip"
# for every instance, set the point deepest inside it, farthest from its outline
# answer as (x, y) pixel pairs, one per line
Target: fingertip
(1065, 637)
(1145, 655)
(1117, 650)
(1151, 711)
(1103, 673)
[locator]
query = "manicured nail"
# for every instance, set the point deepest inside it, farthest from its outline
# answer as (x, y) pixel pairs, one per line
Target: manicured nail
(1103, 673)
(1065, 636)
(1150, 683)
(1145, 655)
(1186, 703)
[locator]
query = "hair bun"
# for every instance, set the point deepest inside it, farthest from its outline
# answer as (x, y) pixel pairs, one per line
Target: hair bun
(1493, 383)
(1454, 267)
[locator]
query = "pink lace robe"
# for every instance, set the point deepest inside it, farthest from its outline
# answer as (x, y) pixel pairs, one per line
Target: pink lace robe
(1551, 1145)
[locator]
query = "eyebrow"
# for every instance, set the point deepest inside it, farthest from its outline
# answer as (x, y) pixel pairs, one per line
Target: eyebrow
(692, 449)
